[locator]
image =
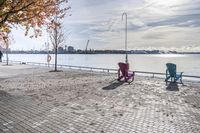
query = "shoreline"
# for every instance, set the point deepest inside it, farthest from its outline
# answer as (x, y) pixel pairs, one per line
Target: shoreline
(184, 53)
(186, 78)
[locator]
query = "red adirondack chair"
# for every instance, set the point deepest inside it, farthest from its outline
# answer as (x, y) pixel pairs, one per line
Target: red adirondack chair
(123, 73)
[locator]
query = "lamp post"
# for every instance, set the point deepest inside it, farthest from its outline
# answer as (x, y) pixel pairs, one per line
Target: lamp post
(125, 14)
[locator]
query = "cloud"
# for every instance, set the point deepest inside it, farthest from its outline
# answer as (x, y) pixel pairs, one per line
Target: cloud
(152, 24)
(179, 20)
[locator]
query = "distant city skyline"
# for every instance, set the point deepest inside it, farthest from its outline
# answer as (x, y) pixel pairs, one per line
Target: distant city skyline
(152, 24)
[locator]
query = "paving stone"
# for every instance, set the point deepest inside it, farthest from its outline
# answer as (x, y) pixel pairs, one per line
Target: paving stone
(112, 112)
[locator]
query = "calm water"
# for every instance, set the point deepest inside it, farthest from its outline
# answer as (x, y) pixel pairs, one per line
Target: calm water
(189, 64)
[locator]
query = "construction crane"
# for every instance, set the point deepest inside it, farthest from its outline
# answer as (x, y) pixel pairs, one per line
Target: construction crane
(87, 46)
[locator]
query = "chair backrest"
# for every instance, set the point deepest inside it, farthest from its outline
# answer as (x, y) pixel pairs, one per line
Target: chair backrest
(124, 68)
(171, 69)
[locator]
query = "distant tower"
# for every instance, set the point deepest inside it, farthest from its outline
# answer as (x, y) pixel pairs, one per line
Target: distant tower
(87, 46)
(65, 48)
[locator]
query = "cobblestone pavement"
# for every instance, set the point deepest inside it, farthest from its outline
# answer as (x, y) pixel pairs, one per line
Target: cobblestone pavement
(109, 108)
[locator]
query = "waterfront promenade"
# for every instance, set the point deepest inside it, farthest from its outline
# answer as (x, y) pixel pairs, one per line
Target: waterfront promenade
(32, 99)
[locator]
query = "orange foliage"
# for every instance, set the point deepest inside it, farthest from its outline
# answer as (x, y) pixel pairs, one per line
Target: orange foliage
(5, 39)
(31, 14)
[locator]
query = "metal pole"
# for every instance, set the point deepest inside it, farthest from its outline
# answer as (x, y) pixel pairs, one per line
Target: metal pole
(125, 35)
(47, 45)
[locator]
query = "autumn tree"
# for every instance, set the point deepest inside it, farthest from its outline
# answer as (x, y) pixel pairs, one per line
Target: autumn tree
(57, 37)
(5, 40)
(31, 14)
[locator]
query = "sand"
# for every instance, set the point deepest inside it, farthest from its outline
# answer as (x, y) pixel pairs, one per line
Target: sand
(100, 94)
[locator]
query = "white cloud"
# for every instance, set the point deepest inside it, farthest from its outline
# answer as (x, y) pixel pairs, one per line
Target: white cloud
(152, 24)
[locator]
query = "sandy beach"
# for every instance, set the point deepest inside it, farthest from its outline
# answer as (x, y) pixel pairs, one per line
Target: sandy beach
(84, 101)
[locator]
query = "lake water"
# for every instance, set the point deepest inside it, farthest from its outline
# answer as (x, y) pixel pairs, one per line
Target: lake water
(189, 64)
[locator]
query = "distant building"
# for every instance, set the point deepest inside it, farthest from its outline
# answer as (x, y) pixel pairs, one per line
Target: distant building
(65, 48)
(71, 49)
(60, 50)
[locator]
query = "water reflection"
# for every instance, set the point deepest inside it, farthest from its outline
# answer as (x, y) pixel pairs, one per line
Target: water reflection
(170, 55)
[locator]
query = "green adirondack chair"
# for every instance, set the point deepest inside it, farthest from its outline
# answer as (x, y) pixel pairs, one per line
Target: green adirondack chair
(172, 75)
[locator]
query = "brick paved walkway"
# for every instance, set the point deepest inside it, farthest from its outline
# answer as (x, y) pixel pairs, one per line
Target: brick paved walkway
(126, 109)
(22, 114)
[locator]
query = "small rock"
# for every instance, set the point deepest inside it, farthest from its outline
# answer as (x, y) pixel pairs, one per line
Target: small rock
(102, 131)
(194, 106)
(92, 123)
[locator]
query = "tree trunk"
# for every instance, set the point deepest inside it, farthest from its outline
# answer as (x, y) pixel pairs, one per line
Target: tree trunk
(6, 54)
(6, 58)
(56, 50)
(56, 46)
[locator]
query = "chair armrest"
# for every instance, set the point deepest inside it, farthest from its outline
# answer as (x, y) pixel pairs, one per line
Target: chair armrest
(131, 73)
(180, 73)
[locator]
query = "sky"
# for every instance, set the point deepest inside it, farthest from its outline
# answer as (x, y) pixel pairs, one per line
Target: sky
(152, 24)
